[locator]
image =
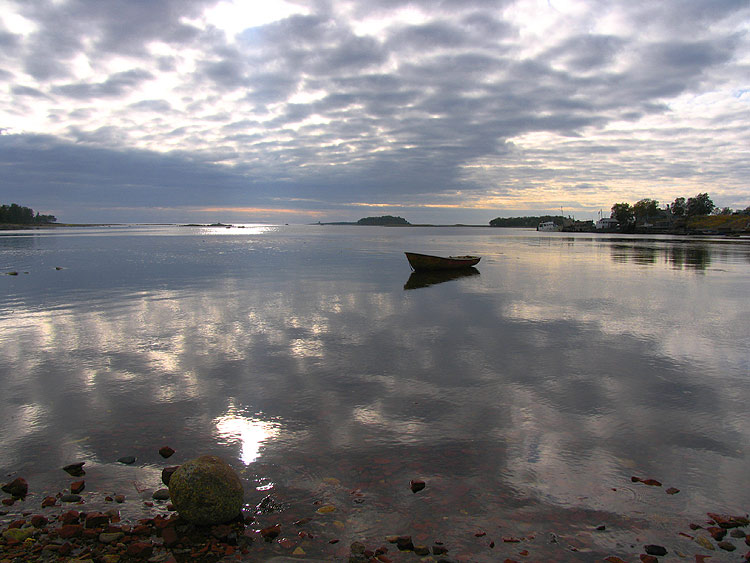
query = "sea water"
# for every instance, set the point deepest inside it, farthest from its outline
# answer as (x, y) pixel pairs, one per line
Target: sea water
(526, 394)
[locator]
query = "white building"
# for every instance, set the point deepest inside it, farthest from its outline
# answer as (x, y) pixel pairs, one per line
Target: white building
(606, 223)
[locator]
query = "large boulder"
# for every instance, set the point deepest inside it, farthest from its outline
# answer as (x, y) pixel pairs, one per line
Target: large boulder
(206, 491)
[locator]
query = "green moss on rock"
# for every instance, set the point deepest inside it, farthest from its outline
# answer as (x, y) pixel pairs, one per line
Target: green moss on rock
(206, 491)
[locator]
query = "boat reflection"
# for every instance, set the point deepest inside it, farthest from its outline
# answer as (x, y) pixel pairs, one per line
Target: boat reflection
(424, 279)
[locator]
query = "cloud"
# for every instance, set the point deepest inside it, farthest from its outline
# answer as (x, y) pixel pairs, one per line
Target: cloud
(508, 103)
(115, 86)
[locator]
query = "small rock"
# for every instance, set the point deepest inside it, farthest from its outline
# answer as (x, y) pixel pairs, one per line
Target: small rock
(404, 543)
(110, 537)
(672, 491)
(271, 532)
(657, 550)
(18, 488)
(161, 494)
(726, 521)
(416, 485)
(648, 558)
(601, 527)
(141, 550)
(75, 469)
(169, 536)
(18, 534)
(49, 501)
(96, 520)
(127, 460)
(736, 533)
(69, 517)
(70, 531)
(438, 549)
(70, 498)
(704, 542)
(167, 472)
(38, 521)
(716, 532)
(651, 482)
(421, 550)
(165, 451)
(726, 546)
(77, 486)
(119, 499)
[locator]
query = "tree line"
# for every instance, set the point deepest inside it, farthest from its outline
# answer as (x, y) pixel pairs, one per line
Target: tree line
(526, 222)
(648, 209)
(15, 214)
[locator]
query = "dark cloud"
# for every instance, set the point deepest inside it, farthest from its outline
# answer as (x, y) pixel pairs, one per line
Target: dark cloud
(156, 106)
(587, 52)
(27, 91)
(116, 85)
(38, 165)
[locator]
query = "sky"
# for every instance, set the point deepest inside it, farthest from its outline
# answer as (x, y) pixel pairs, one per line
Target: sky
(441, 111)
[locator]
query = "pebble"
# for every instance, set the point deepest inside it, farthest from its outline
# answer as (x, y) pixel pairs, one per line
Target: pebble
(110, 537)
(127, 460)
(70, 498)
(161, 494)
(166, 451)
(75, 469)
(167, 472)
(416, 485)
(655, 550)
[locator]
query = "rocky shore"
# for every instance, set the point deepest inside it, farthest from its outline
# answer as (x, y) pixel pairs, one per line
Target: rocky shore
(200, 515)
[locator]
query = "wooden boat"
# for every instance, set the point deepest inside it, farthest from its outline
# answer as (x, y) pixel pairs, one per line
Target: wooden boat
(427, 263)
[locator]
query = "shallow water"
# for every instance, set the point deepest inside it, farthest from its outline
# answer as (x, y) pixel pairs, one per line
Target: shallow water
(525, 395)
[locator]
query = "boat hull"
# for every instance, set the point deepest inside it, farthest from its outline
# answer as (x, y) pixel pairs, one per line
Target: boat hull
(427, 263)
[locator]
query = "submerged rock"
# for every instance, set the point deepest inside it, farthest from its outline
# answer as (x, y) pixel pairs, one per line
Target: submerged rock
(416, 485)
(18, 488)
(167, 472)
(206, 491)
(75, 469)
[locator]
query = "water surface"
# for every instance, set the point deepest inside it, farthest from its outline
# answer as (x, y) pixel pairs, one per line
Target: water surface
(526, 394)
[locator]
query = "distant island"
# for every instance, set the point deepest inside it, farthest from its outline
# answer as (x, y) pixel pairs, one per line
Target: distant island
(382, 221)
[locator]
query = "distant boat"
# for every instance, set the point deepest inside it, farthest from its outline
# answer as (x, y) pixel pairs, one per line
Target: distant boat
(548, 226)
(427, 263)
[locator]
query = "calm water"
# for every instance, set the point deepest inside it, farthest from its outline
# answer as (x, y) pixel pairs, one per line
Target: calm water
(525, 395)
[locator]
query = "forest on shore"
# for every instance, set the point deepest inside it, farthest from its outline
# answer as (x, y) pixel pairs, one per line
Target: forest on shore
(15, 214)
